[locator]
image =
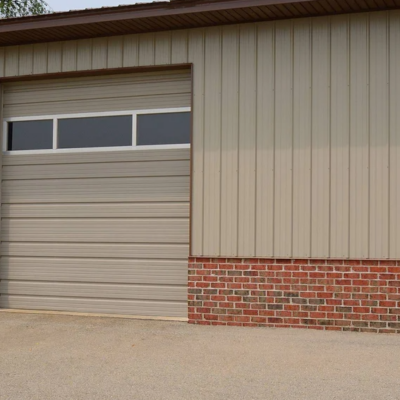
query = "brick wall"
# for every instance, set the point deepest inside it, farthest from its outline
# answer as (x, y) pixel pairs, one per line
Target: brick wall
(317, 294)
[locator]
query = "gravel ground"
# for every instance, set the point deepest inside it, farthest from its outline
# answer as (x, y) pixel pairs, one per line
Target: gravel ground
(70, 357)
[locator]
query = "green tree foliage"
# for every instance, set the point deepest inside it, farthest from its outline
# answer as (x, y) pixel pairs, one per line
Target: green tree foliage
(20, 8)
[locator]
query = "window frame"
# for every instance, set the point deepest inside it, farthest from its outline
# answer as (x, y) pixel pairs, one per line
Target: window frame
(56, 118)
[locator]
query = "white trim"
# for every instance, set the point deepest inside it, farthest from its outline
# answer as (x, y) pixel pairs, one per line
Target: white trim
(57, 117)
(98, 114)
(5, 136)
(98, 149)
(55, 133)
(134, 130)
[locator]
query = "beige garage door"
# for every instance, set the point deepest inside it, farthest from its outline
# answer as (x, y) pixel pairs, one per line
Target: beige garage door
(96, 231)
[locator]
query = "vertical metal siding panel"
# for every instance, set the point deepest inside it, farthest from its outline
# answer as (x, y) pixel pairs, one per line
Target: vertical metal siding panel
(146, 49)
(115, 52)
(1, 153)
(54, 57)
(179, 47)
(25, 60)
(69, 56)
(359, 137)
(2, 61)
(131, 51)
(379, 137)
(229, 141)
(40, 58)
(84, 54)
(11, 61)
(394, 210)
(99, 53)
(283, 139)
(196, 56)
(340, 137)
(163, 48)
(265, 140)
(320, 192)
(212, 142)
(247, 140)
(302, 139)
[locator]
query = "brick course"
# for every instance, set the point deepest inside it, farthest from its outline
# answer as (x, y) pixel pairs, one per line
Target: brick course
(341, 295)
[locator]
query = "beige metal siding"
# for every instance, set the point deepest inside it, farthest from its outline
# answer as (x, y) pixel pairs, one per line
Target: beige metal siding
(296, 144)
(302, 117)
(265, 136)
(247, 139)
(104, 231)
(394, 139)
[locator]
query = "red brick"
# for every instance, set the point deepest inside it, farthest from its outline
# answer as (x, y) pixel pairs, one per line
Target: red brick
(259, 267)
(210, 279)
(334, 295)
(226, 305)
(234, 285)
(259, 320)
(210, 266)
(210, 317)
(242, 319)
(226, 318)
(242, 267)
(195, 316)
(203, 285)
(250, 312)
(203, 310)
(242, 305)
(362, 310)
(218, 285)
(234, 298)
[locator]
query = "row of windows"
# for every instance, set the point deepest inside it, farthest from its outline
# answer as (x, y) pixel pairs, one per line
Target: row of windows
(164, 128)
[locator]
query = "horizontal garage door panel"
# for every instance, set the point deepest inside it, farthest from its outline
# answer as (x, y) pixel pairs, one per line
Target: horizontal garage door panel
(97, 157)
(105, 306)
(97, 170)
(96, 250)
(173, 188)
(91, 290)
(121, 90)
(94, 94)
(120, 230)
(152, 271)
(103, 105)
(93, 210)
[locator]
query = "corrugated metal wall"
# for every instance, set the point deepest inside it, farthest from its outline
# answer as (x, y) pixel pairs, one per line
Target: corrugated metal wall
(296, 129)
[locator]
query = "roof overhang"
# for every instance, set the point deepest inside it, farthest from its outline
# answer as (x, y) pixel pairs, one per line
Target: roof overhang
(177, 14)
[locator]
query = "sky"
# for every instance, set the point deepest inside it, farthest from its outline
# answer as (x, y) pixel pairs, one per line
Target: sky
(67, 5)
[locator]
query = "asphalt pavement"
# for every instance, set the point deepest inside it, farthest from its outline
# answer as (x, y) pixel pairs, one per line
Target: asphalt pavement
(59, 357)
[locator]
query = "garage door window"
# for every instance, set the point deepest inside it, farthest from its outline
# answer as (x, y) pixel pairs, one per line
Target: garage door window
(30, 135)
(165, 128)
(75, 133)
(158, 129)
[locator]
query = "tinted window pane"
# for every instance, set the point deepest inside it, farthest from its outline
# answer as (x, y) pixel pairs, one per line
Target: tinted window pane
(168, 128)
(95, 132)
(30, 135)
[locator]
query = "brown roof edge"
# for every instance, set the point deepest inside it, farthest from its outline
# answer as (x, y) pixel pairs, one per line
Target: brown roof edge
(130, 12)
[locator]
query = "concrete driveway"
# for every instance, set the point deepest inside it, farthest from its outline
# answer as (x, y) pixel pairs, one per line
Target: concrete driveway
(70, 357)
